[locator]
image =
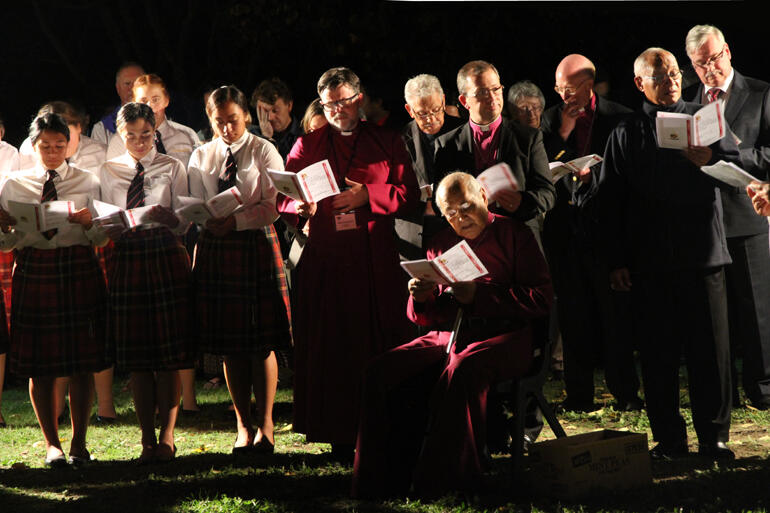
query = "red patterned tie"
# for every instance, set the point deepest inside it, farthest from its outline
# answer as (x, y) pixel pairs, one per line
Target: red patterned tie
(228, 177)
(49, 194)
(714, 94)
(135, 194)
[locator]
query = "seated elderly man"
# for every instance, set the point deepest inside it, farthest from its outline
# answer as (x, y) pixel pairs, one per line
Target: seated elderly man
(494, 343)
(525, 103)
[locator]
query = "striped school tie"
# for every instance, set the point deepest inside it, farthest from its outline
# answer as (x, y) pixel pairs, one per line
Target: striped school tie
(49, 194)
(714, 94)
(228, 178)
(135, 194)
(159, 143)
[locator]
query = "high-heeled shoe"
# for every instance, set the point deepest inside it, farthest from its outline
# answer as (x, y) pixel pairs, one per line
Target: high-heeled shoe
(147, 456)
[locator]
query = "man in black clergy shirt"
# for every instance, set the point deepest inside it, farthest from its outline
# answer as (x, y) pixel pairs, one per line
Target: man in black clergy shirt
(662, 221)
(592, 318)
(747, 111)
(487, 139)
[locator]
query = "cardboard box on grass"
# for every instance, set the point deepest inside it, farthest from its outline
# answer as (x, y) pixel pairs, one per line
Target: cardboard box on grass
(598, 461)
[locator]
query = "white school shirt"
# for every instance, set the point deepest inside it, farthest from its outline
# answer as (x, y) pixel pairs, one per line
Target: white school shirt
(179, 141)
(89, 155)
(253, 155)
(9, 157)
(99, 133)
(165, 179)
(72, 184)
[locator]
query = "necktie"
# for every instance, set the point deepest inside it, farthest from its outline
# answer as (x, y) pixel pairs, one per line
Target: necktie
(49, 194)
(159, 143)
(714, 94)
(227, 179)
(135, 194)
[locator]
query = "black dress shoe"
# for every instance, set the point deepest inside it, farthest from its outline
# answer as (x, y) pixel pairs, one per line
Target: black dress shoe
(634, 404)
(668, 452)
(59, 461)
(716, 451)
(760, 403)
(105, 420)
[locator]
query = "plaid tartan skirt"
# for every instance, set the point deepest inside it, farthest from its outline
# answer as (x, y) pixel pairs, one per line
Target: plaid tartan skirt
(6, 275)
(150, 302)
(241, 295)
(58, 313)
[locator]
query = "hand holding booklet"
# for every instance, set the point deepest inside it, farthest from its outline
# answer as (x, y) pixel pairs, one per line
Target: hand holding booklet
(198, 211)
(457, 264)
(560, 169)
(40, 217)
(498, 178)
(730, 174)
(309, 185)
(679, 130)
(111, 215)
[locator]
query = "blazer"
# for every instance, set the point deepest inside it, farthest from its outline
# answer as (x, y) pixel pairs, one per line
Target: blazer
(521, 147)
(747, 111)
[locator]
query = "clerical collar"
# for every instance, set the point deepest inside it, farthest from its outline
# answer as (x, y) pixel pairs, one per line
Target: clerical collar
(346, 133)
(486, 128)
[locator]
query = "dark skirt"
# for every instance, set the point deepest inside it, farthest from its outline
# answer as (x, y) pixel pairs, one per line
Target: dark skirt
(241, 295)
(58, 313)
(6, 275)
(148, 273)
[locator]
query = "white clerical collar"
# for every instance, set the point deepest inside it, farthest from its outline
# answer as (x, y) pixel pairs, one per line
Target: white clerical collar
(487, 127)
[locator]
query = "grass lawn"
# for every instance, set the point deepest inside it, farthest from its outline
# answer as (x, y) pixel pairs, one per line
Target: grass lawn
(300, 477)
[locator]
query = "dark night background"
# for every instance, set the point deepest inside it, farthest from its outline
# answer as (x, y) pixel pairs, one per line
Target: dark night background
(71, 49)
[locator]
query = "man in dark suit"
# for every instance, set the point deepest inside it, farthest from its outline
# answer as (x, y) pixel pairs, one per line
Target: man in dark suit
(487, 139)
(747, 111)
(425, 103)
(661, 220)
(591, 316)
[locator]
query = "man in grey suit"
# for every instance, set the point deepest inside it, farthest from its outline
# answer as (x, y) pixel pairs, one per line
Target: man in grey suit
(425, 103)
(747, 111)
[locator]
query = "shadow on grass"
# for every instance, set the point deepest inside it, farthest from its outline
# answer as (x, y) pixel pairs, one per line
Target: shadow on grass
(312, 483)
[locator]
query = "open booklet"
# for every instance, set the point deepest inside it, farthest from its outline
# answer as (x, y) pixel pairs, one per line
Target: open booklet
(198, 211)
(40, 217)
(457, 264)
(111, 215)
(679, 130)
(498, 178)
(730, 174)
(560, 169)
(310, 185)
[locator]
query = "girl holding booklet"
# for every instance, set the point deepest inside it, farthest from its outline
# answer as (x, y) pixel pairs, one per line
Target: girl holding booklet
(242, 302)
(149, 277)
(58, 312)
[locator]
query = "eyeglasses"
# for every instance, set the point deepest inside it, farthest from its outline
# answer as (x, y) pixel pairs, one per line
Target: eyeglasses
(711, 60)
(329, 106)
(486, 93)
(530, 109)
(431, 113)
(674, 75)
(569, 90)
(464, 209)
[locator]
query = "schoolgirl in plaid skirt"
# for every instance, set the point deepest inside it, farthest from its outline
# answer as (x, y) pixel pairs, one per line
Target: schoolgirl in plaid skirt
(242, 302)
(148, 272)
(58, 314)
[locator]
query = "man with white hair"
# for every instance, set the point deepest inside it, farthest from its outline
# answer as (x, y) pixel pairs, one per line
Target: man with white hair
(747, 110)
(662, 222)
(124, 83)
(425, 103)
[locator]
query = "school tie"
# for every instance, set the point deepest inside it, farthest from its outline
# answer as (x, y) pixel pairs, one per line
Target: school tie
(49, 194)
(714, 94)
(227, 179)
(135, 194)
(159, 143)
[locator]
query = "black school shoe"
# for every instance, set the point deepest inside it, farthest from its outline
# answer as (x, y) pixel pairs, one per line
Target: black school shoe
(665, 452)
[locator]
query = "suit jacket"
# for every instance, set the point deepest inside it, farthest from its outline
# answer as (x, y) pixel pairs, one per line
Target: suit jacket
(409, 227)
(572, 224)
(747, 111)
(521, 147)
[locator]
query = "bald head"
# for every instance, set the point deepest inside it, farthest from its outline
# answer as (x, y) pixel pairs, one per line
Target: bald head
(575, 76)
(657, 75)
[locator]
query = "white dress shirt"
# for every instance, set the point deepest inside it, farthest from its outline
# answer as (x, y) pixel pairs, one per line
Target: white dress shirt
(179, 141)
(99, 133)
(89, 155)
(165, 179)
(9, 157)
(72, 184)
(253, 156)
